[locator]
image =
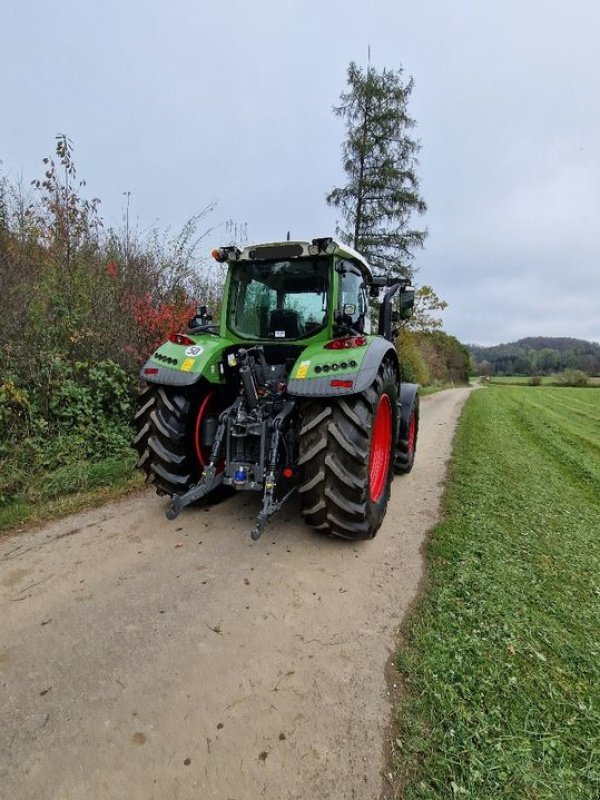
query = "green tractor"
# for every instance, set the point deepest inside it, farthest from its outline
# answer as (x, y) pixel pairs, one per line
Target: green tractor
(290, 392)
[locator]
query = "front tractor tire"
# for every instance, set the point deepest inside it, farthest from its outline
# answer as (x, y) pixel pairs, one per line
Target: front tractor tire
(347, 459)
(167, 425)
(407, 441)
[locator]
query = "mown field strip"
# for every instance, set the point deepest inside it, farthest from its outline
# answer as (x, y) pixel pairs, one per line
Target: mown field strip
(578, 410)
(573, 443)
(501, 666)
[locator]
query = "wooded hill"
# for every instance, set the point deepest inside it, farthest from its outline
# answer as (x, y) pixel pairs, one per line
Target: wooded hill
(537, 355)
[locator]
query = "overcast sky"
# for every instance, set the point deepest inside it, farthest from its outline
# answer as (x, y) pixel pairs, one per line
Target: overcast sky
(182, 103)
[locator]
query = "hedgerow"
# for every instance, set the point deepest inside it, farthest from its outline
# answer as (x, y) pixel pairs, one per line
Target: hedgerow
(81, 307)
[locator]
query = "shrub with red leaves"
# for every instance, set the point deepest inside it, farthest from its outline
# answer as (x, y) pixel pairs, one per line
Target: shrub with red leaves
(155, 321)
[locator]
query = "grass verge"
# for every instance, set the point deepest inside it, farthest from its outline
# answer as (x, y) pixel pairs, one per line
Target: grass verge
(71, 488)
(501, 664)
(436, 387)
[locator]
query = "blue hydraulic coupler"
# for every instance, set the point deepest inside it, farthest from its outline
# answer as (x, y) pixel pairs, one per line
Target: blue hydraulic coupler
(240, 477)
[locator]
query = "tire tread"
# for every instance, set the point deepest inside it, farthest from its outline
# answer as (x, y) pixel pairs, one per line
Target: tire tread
(335, 439)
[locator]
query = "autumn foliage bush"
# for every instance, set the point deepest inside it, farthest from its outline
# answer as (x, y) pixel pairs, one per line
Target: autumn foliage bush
(413, 366)
(427, 354)
(156, 321)
(81, 308)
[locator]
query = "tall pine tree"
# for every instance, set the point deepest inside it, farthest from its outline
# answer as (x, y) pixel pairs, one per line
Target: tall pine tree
(382, 189)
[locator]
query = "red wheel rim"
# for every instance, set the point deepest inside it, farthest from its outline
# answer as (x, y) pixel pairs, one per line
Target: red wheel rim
(412, 432)
(381, 441)
(203, 453)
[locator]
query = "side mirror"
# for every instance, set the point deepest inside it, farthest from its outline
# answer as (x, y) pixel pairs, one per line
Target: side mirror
(407, 302)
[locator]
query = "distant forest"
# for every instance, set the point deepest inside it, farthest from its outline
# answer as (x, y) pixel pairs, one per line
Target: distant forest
(537, 355)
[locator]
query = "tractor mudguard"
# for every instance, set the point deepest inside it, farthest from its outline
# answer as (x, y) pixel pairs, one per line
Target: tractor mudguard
(339, 380)
(408, 395)
(165, 376)
(184, 364)
(377, 351)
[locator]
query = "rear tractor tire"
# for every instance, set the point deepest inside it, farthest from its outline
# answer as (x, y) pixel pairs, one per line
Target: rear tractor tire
(347, 458)
(167, 425)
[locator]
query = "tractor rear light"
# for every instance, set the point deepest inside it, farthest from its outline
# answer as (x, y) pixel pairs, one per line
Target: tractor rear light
(181, 338)
(288, 473)
(151, 371)
(346, 342)
(340, 384)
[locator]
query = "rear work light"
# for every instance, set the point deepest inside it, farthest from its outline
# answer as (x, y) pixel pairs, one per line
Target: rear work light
(223, 254)
(219, 254)
(181, 338)
(340, 384)
(346, 343)
(323, 245)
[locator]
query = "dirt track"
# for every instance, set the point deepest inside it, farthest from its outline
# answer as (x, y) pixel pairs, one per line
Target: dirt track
(146, 659)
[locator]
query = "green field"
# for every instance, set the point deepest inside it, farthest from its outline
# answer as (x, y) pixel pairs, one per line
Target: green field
(501, 664)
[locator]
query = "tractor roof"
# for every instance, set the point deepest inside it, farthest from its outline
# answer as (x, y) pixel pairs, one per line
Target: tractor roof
(270, 251)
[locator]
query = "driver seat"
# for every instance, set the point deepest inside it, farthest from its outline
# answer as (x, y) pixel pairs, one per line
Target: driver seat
(288, 321)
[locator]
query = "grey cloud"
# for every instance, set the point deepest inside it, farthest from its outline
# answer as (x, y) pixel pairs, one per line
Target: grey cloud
(185, 102)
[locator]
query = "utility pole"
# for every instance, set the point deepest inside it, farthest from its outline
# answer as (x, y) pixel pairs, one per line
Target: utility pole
(128, 194)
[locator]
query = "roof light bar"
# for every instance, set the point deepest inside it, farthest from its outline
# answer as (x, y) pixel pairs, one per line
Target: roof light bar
(323, 245)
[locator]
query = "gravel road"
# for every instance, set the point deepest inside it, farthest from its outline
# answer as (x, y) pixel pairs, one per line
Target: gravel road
(146, 659)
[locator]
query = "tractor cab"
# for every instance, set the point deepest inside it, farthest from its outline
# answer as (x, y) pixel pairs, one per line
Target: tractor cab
(295, 291)
(278, 300)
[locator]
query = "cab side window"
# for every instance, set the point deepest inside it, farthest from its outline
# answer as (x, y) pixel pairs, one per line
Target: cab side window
(353, 296)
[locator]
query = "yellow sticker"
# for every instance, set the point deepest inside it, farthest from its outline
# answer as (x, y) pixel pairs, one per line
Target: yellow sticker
(188, 364)
(302, 369)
